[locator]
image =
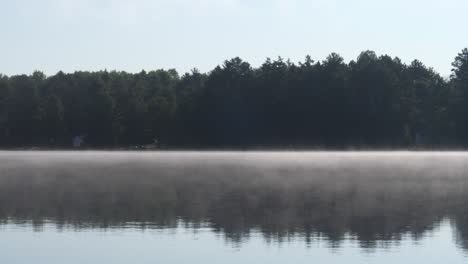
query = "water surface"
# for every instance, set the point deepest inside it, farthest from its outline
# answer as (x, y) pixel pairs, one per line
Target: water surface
(233, 207)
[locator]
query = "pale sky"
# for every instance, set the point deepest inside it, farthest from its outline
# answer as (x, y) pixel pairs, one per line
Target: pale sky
(131, 35)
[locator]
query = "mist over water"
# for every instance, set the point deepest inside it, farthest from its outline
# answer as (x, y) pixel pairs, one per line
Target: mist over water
(376, 200)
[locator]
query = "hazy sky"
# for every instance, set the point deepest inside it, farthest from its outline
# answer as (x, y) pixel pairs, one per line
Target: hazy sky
(131, 35)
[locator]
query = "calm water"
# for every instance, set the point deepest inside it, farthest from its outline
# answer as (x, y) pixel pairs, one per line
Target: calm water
(233, 207)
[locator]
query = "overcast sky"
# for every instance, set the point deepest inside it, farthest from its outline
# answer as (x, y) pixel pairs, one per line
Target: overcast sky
(131, 35)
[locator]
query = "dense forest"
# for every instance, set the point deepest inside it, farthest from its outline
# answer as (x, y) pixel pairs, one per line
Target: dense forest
(373, 101)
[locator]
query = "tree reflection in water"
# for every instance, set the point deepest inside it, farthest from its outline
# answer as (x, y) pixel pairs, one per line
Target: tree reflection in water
(373, 197)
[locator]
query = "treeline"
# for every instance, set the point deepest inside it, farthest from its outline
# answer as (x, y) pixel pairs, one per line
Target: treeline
(373, 101)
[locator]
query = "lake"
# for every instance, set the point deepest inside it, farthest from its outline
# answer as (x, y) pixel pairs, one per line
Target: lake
(233, 207)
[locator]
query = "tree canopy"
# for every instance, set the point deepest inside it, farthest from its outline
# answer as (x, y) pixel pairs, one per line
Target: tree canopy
(373, 101)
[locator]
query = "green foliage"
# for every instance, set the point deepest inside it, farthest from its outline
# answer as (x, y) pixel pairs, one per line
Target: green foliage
(52, 119)
(374, 101)
(460, 97)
